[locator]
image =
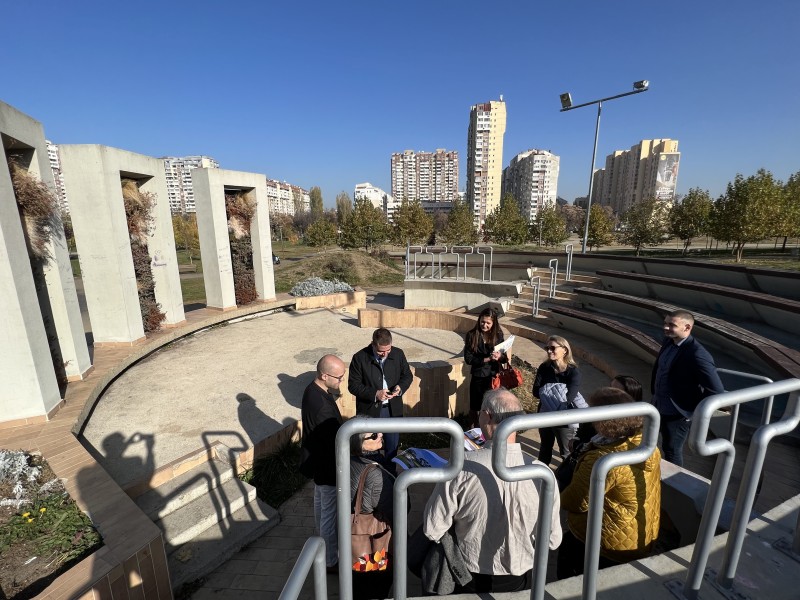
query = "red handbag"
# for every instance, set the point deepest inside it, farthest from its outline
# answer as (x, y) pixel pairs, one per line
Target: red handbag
(508, 377)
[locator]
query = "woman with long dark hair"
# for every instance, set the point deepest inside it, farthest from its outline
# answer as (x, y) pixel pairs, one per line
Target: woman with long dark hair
(484, 362)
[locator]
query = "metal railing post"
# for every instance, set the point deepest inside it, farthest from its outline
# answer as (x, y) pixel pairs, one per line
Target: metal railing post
(568, 249)
(455, 249)
(404, 480)
(749, 485)
(536, 284)
(312, 554)
(435, 252)
(408, 259)
(491, 260)
(765, 413)
(596, 488)
(553, 276)
(722, 470)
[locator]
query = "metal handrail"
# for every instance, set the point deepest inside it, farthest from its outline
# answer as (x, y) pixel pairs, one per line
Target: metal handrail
(491, 260)
(432, 250)
(408, 259)
(568, 250)
(553, 276)
(404, 480)
(312, 554)
(719, 482)
(416, 254)
(454, 249)
(765, 413)
(600, 471)
(536, 285)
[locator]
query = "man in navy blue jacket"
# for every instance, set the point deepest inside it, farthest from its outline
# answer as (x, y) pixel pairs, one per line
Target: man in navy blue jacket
(683, 375)
(379, 376)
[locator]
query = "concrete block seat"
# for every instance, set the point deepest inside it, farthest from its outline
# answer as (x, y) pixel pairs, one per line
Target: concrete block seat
(782, 313)
(778, 361)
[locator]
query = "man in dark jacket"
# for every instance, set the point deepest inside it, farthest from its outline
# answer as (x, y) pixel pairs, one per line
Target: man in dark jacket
(379, 376)
(683, 375)
(321, 421)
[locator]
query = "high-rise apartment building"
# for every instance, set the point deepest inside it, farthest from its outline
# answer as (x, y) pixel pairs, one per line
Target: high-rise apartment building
(648, 170)
(425, 176)
(378, 198)
(178, 170)
(532, 178)
(487, 125)
(285, 198)
(58, 176)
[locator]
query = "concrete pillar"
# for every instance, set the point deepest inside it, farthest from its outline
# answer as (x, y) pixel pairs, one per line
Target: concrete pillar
(92, 178)
(212, 226)
(29, 389)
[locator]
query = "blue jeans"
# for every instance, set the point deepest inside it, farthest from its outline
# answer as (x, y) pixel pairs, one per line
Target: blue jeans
(390, 440)
(325, 520)
(674, 431)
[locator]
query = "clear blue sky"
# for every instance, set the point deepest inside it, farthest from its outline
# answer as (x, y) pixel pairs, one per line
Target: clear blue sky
(321, 93)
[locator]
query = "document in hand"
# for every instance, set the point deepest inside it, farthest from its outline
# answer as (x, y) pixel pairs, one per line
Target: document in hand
(473, 439)
(411, 458)
(505, 346)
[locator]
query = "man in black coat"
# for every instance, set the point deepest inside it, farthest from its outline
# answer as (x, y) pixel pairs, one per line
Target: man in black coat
(379, 376)
(683, 375)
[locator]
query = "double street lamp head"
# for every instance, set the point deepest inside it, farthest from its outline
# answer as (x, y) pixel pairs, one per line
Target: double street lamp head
(566, 97)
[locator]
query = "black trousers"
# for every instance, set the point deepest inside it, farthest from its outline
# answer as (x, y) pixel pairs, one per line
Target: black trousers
(571, 553)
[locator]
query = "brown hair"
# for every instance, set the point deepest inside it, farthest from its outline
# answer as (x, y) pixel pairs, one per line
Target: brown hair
(474, 334)
(382, 337)
(615, 428)
(565, 344)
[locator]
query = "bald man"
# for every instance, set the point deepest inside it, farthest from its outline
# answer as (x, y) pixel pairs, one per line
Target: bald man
(321, 421)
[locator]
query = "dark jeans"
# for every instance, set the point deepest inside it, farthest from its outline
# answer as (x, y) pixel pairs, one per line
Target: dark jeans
(548, 435)
(390, 441)
(571, 553)
(674, 431)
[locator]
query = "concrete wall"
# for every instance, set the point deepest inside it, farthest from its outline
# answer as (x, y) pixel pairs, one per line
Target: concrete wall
(212, 224)
(30, 390)
(444, 293)
(92, 178)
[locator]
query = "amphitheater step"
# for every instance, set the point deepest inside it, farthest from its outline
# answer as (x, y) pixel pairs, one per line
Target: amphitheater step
(216, 544)
(183, 524)
(160, 502)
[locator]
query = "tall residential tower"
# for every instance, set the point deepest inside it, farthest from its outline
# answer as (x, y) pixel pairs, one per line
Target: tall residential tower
(487, 125)
(532, 178)
(425, 176)
(178, 170)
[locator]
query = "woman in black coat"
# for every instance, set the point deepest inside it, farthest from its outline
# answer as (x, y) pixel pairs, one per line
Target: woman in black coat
(484, 362)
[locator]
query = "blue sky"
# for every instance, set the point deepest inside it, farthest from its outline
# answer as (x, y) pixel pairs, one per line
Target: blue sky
(321, 93)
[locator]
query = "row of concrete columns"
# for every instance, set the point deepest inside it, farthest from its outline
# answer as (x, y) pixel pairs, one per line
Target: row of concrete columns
(29, 389)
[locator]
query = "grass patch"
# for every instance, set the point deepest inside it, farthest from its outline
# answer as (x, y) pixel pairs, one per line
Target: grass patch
(525, 392)
(355, 267)
(76, 267)
(276, 476)
(193, 290)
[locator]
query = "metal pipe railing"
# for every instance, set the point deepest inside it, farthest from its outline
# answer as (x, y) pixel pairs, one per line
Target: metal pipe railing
(491, 260)
(312, 554)
(404, 480)
(408, 259)
(722, 470)
(536, 285)
(600, 470)
(568, 250)
(435, 251)
(765, 413)
(455, 249)
(553, 276)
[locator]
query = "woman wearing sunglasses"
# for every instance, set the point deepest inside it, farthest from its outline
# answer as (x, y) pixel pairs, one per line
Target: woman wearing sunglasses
(376, 499)
(557, 385)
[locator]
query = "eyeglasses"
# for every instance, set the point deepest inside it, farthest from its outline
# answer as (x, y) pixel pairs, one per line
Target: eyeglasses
(371, 436)
(552, 348)
(337, 378)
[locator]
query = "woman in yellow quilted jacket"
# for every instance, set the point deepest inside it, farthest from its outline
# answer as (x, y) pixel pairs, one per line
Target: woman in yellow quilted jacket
(632, 500)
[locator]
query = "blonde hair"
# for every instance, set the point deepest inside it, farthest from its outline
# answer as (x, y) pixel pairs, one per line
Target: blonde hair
(565, 344)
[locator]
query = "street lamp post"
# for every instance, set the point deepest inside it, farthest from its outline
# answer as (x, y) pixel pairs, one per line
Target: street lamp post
(566, 104)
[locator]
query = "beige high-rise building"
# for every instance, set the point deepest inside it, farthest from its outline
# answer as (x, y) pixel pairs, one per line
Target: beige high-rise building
(487, 125)
(178, 170)
(425, 176)
(532, 178)
(285, 198)
(648, 170)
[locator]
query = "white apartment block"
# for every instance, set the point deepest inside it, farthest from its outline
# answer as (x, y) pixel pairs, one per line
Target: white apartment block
(58, 176)
(648, 170)
(378, 198)
(425, 176)
(487, 125)
(282, 196)
(178, 170)
(532, 178)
